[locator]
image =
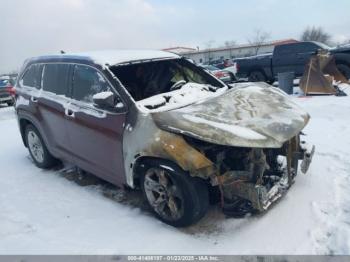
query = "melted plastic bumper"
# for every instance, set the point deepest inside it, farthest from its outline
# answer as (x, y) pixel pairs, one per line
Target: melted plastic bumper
(242, 197)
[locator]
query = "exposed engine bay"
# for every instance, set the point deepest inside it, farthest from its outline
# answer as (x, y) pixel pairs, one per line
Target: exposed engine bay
(251, 179)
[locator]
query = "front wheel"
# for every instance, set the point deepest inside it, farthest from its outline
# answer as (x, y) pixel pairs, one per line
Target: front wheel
(257, 76)
(37, 148)
(174, 197)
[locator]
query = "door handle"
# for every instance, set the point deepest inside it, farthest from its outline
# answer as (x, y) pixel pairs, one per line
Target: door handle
(69, 113)
(34, 99)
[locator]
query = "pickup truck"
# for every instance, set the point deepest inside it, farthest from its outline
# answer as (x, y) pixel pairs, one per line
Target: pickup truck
(288, 58)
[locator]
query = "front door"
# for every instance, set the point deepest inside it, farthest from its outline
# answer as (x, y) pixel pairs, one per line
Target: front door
(96, 135)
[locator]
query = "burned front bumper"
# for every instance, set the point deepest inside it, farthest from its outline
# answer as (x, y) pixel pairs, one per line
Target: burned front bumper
(241, 195)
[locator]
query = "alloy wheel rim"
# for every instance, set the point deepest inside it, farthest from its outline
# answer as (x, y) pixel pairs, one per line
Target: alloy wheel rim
(35, 146)
(163, 195)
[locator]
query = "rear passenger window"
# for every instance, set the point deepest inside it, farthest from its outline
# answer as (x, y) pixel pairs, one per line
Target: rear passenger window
(56, 79)
(309, 47)
(285, 49)
(88, 82)
(32, 77)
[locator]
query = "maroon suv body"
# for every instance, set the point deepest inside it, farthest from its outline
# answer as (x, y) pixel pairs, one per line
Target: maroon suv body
(155, 121)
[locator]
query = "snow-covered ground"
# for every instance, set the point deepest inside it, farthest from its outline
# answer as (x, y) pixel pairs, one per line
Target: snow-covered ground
(49, 212)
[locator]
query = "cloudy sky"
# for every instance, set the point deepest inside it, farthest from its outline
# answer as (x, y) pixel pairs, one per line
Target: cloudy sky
(35, 27)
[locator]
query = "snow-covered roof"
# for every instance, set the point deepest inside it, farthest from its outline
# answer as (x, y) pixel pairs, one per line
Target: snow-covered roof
(113, 57)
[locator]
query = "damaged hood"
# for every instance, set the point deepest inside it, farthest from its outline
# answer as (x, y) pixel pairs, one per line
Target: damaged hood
(248, 115)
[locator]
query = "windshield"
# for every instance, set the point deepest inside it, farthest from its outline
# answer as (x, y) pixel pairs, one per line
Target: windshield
(144, 80)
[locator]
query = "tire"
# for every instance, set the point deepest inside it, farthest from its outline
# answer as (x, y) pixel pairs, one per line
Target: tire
(257, 76)
(233, 78)
(178, 199)
(345, 70)
(37, 148)
(10, 103)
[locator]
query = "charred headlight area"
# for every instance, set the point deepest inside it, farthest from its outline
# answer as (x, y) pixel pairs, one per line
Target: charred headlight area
(225, 158)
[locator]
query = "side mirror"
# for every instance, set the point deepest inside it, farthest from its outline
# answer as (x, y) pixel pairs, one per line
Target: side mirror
(107, 100)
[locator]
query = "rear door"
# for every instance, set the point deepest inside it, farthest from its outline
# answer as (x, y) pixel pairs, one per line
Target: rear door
(96, 134)
(52, 104)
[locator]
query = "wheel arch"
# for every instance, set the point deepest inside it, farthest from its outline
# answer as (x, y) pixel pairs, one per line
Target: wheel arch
(142, 162)
(23, 121)
(195, 194)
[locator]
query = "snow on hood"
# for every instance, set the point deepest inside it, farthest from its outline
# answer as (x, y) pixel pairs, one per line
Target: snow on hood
(248, 115)
(188, 94)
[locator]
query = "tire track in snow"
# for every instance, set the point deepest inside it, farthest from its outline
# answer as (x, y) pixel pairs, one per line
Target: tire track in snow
(332, 236)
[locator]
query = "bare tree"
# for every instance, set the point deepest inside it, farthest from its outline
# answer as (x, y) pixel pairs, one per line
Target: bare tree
(258, 39)
(315, 34)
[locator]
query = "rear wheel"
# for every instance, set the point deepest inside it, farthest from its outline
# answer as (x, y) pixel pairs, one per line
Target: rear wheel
(174, 197)
(37, 148)
(11, 103)
(345, 70)
(257, 76)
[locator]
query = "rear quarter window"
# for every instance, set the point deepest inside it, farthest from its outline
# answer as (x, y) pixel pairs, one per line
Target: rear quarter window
(32, 77)
(308, 47)
(56, 78)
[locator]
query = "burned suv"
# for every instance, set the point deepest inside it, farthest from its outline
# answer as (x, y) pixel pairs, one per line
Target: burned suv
(155, 121)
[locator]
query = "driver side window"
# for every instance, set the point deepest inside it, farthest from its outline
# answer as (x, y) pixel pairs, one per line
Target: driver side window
(87, 82)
